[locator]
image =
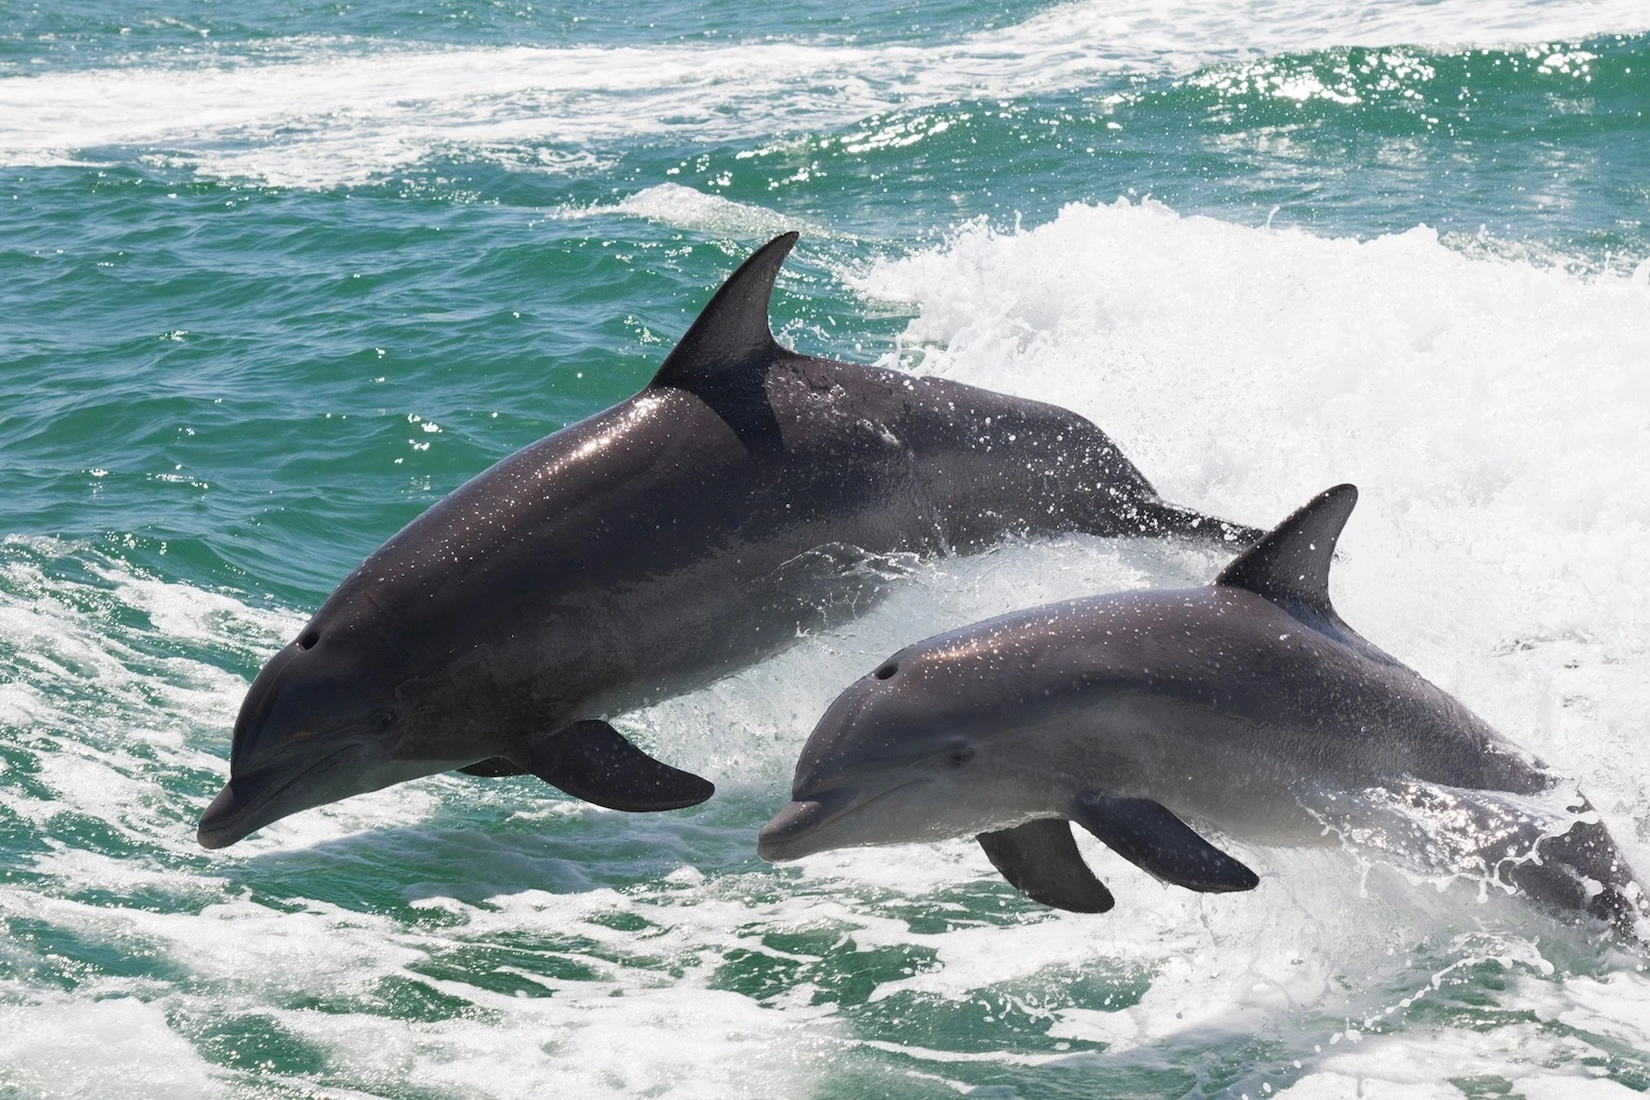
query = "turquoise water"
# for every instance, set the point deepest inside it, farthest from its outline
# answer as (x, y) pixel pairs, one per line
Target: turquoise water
(276, 276)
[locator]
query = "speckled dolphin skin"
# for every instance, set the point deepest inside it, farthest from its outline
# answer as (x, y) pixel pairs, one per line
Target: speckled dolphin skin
(1247, 705)
(747, 494)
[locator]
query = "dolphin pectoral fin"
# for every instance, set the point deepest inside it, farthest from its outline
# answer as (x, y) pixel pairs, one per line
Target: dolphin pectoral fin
(593, 761)
(494, 767)
(1152, 838)
(1040, 859)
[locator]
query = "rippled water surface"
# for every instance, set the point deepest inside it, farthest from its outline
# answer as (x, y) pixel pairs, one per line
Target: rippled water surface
(275, 276)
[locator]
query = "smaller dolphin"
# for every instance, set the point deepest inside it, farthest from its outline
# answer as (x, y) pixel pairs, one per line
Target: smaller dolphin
(1247, 705)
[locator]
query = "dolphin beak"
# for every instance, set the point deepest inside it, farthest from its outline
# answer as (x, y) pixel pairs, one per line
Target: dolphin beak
(785, 835)
(249, 802)
(219, 827)
(809, 825)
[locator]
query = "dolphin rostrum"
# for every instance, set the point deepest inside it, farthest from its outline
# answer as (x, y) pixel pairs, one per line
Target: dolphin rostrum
(748, 494)
(1248, 705)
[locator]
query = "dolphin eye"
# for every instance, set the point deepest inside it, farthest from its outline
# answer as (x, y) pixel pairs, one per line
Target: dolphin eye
(384, 719)
(959, 756)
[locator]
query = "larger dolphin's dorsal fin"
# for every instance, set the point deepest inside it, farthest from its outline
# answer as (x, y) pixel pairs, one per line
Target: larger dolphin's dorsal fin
(1290, 564)
(730, 338)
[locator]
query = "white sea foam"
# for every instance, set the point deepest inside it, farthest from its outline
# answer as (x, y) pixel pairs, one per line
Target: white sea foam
(53, 1044)
(338, 116)
(686, 208)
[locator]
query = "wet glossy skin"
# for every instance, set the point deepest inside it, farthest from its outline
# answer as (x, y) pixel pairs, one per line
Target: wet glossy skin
(647, 551)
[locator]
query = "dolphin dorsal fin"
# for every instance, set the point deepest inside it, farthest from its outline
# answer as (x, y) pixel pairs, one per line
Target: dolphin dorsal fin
(1290, 564)
(730, 338)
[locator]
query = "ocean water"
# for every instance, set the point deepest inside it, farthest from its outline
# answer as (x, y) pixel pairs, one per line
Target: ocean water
(276, 275)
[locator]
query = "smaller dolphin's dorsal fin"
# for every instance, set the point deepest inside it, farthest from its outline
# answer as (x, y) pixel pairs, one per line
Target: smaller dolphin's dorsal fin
(1290, 564)
(730, 338)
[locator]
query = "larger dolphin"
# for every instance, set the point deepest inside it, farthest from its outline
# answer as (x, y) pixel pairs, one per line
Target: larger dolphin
(1247, 705)
(747, 494)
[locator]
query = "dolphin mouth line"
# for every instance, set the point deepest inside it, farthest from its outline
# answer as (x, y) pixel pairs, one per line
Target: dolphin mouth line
(766, 843)
(261, 800)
